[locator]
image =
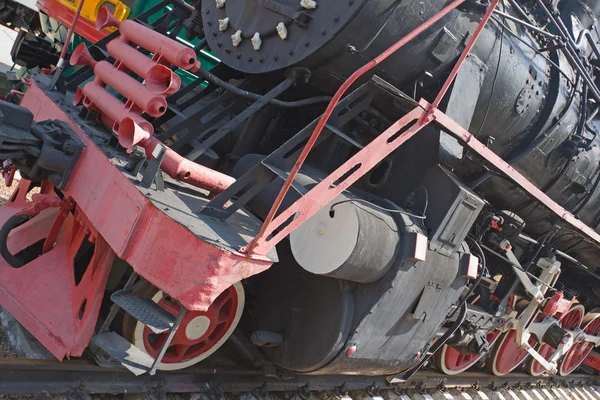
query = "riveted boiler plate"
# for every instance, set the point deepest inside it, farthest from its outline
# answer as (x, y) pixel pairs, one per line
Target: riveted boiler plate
(307, 30)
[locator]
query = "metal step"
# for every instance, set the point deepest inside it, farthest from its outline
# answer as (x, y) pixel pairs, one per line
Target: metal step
(125, 352)
(144, 310)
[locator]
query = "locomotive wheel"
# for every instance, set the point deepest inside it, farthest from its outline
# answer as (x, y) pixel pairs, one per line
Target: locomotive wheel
(452, 362)
(570, 321)
(200, 333)
(507, 355)
(579, 352)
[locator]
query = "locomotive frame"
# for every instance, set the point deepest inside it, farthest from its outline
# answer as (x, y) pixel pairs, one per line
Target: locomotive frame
(232, 260)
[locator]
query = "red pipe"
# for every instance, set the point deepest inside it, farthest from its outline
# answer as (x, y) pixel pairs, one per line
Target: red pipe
(95, 95)
(333, 103)
(133, 90)
(158, 78)
(158, 44)
(131, 134)
(178, 167)
(152, 104)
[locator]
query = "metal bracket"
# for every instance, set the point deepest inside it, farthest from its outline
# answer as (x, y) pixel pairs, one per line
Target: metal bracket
(299, 17)
(153, 173)
(428, 300)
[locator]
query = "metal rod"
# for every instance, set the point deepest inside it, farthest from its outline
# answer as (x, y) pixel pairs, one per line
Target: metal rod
(571, 52)
(63, 52)
(61, 60)
(561, 254)
(521, 11)
(167, 343)
(587, 35)
(464, 55)
(243, 116)
(210, 77)
(527, 25)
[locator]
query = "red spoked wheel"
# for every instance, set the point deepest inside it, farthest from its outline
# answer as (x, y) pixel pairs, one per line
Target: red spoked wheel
(579, 352)
(507, 355)
(452, 362)
(200, 333)
(570, 321)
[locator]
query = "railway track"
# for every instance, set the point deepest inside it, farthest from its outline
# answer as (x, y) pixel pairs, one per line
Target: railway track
(83, 380)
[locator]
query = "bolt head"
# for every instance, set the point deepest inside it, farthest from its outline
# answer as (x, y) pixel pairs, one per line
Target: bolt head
(351, 350)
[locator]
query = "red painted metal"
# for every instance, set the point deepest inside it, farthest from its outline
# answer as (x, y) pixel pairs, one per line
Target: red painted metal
(221, 314)
(8, 173)
(162, 250)
(341, 179)
(457, 362)
(265, 231)
(158, 44)
(43, 294)
(557, 304)
(508, 355)
(125, 119)
(40, 203)
(130, 134)
(506, 169)
(149, 102)
(593, 360)
(581, 350)
(158, 78)
(114, 209)
(94, 96)
(185, 170)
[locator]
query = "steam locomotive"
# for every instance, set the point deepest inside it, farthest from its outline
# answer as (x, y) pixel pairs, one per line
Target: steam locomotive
(236, 217)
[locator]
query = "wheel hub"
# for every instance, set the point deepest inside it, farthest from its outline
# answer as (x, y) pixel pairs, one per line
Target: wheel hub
(197, 327)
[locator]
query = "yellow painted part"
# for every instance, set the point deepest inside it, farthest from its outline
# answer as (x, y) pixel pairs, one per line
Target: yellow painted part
(90, 9)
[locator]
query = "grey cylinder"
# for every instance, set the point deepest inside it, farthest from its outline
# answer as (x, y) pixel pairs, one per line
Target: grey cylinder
(355, 241)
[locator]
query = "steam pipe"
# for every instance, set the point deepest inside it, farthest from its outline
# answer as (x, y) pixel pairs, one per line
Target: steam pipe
(140, 95)
(158, 78)
(158, 44)
(133, 90)
(178, 167)
(210, 77)
(587, 35)
(93, 94)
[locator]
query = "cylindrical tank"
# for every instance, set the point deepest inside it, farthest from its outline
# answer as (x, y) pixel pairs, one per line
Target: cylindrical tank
(348, 239)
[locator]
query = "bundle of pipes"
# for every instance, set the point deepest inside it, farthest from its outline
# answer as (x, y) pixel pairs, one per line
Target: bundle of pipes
(125, 119)
(140, 97)
(164, 49)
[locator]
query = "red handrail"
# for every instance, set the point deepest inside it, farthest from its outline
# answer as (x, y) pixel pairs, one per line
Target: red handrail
(333, 103)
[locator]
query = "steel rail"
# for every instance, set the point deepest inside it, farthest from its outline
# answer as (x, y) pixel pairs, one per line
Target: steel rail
(21, 376)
